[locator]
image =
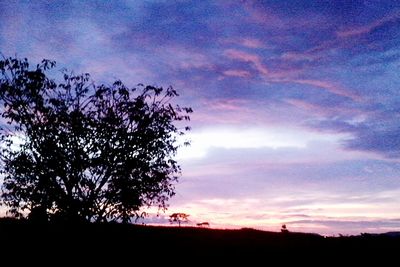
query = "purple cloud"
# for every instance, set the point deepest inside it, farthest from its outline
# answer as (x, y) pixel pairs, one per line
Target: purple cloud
(364, 29)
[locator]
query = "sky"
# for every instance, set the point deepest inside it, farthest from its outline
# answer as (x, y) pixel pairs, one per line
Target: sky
(296, 103)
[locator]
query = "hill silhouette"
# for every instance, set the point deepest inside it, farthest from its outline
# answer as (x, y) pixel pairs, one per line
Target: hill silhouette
(82, 241)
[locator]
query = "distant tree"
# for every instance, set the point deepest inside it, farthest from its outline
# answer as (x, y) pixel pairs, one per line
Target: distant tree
(77, 151)
(284, 229)
(179, 218)
(203, 224)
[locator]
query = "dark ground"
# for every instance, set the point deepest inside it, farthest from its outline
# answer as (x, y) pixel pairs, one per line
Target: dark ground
(178, 246)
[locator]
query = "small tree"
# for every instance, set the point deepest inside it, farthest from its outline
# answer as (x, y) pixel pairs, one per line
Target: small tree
(179, 218)
(77, 151)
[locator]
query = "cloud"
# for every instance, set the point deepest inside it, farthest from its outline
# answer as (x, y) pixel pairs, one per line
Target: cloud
(229, 105)
(255, 60)
(332, 214)
(3, 210)
(286, 76)
(364, 29)
(252, 43)
(233, 137)
(375, 131)
(321, 109)
(329, 86)
(332, 226)
(261, 14)
(385, 140)
(338, 125)
(237, 73)
(247, 42)
(237, 111)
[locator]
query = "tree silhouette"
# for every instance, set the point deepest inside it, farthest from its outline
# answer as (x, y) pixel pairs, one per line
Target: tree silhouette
(76, 151)
(203, 224)
(179, 218)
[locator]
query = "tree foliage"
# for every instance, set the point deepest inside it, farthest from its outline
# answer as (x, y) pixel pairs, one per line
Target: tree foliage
(179, 217)
(76, 151)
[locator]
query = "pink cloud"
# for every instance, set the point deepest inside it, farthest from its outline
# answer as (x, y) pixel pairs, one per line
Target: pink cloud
(220, 111)
(328, 86)
(318, 52)
(240, 112)
(260, 14)
(255, 60)
(369, 27)
(315, 109)
(230, 105)
(252, 43)
(240, 55)
(227, 111)
(303, 104)
(237, 73)
(271, 116)
(301, 210)
(289, 76)
(247, 42)
(212, 118)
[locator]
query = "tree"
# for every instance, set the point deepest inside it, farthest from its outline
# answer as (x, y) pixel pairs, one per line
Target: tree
(179, 218)
(77, 151)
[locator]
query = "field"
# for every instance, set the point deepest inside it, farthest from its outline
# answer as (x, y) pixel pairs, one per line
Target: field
(117, 241)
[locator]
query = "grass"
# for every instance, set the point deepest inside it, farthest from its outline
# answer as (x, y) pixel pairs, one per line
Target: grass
(164, 243)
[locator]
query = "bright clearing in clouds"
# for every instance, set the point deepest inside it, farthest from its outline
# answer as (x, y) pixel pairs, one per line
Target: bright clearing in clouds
(296, 102)
(248, 138)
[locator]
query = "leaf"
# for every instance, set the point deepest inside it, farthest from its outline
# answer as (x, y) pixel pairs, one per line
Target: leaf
(86, 153)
